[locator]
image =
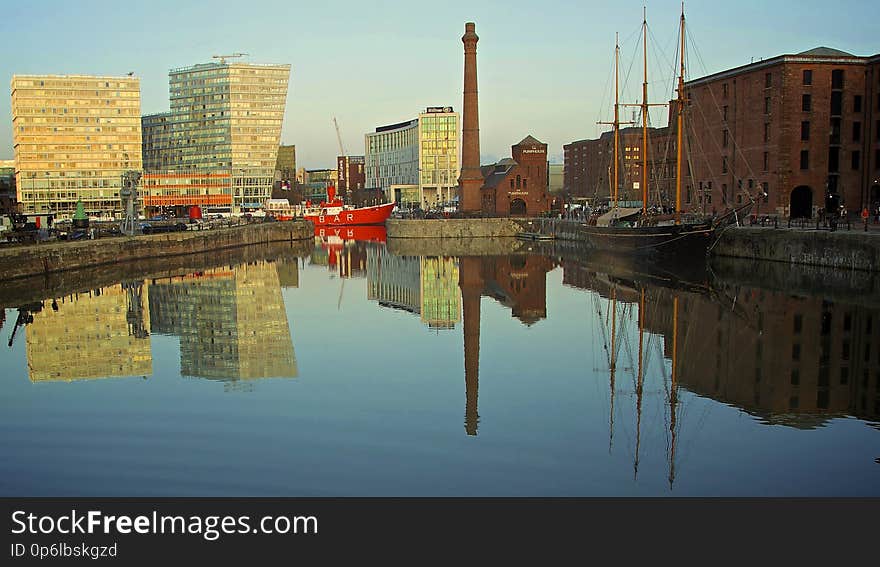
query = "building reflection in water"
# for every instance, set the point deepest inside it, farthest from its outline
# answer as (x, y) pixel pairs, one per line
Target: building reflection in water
(787, 360)
(231, 322)
(98, 334)
(426, 286)
(444, 290)
(517, 282)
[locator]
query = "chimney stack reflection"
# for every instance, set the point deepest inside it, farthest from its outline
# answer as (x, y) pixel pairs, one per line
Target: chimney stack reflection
(471, 282)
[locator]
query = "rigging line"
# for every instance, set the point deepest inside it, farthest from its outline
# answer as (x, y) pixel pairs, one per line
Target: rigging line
(660, 55)
(631, 64)
(736, 147)
(605, 92)
(700, 144)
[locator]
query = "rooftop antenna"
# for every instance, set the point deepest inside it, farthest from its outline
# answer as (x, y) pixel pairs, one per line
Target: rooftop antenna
(223, 58)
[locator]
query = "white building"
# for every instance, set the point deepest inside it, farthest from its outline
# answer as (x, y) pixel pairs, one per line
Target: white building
(416, 163)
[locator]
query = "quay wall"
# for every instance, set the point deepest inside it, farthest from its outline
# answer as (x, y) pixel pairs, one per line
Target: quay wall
(52, 257)
(34, 289)
(502, 246)
(840, 250)
(454, 228)
(851, 250)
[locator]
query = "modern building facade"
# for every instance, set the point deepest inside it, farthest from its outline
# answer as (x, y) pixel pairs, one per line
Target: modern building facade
(438, 156)
(8, 198)
(416, 163)
(73, 137)
(285, 167)
(391, 154)
(314, 183)
(225, 118)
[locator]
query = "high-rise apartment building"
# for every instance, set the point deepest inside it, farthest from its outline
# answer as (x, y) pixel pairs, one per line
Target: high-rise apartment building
(416, 162)
(73, 137)
(225, 118)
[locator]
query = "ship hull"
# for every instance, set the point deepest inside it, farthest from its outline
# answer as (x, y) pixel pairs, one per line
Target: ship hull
(362, 216)
(688, 241)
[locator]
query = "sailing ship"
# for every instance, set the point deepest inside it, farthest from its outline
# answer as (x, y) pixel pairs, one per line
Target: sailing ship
(634, 230)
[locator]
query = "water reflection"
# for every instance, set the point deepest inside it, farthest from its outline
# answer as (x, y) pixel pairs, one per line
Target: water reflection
(231, 322)
(786, 358)
(666, 347)
(90, 335)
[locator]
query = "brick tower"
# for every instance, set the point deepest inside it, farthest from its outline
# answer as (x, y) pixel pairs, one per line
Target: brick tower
(471, 179)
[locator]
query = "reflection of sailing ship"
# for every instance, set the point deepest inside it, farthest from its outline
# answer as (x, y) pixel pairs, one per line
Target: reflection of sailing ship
(633, 292)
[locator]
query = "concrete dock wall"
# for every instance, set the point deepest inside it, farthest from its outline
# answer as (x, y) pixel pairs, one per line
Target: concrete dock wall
(855, 250)
(840, 249)
(453, 228)
(51, 257)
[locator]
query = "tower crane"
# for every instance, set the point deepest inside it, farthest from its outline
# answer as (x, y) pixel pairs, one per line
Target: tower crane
(223, 58)
(339, 138)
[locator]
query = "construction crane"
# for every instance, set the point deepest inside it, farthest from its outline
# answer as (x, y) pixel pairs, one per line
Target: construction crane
(223, 58)
(339, 138)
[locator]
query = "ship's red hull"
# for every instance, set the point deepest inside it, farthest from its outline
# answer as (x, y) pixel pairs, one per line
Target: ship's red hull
(368, 233)
(377, 214)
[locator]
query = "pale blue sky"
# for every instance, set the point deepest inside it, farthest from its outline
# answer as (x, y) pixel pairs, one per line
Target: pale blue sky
(544, 65)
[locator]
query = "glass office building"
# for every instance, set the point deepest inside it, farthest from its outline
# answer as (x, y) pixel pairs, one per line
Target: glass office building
(416, 163)
(226, 118)
(73, 137)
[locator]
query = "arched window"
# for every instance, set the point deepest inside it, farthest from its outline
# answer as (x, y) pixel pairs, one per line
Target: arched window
(511, 183)
(525, 183)
(518, 182)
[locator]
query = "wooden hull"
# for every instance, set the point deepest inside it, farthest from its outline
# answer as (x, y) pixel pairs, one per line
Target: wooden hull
(676, 242)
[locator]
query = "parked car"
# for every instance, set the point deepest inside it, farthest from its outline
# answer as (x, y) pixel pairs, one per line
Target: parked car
(148, 228)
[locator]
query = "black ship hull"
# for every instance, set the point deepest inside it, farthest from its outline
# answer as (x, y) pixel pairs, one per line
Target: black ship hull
(686, 242)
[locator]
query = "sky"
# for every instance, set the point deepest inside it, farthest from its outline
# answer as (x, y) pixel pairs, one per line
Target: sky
(544, 65)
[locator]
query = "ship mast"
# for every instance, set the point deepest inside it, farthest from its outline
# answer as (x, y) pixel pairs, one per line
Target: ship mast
(680, 126)
(616, 114)
(673, 390)
(616, 123)
(613, 361)
(645, 115)
(641, 381)
(645, 107)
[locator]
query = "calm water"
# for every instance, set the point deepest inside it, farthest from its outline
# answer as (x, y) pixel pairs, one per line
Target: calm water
(353, 371)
